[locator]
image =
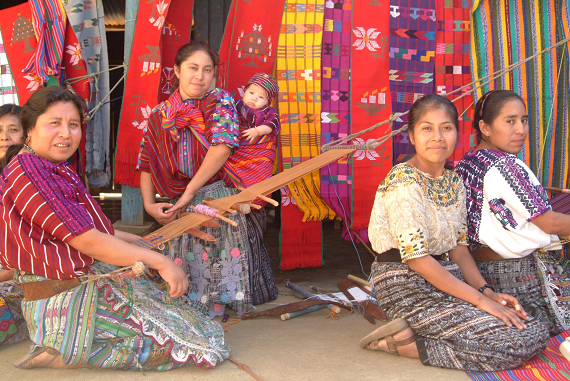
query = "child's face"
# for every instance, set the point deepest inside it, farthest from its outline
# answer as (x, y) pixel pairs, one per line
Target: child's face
(255, 97)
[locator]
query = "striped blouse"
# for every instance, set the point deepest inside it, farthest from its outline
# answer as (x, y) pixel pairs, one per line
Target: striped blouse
(43, 206)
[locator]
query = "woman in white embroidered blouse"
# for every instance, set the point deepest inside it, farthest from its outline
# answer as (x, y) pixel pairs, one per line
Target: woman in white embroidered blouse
(443, 311)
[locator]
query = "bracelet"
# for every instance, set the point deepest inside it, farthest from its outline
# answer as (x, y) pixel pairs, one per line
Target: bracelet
(485, 286)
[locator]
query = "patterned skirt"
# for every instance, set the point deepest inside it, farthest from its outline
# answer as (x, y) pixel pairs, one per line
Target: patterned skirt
(453, 333)
(519, 278)
(235, 269)
(13, 327)
(128, 326)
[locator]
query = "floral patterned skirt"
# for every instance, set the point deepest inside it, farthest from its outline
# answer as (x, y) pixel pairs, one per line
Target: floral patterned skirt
(218, 272)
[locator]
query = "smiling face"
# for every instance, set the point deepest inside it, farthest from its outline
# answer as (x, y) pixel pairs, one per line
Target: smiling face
(57, 132)
(508, 131)
(434, 137)
(255, 97)
(195, 75)
(11, 132)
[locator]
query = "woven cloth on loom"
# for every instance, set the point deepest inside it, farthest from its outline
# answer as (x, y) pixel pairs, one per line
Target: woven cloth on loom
(299, 76)
(412, 59)
(19, 42)
(249, 43)
(8, 92)
(453, 65)
(549, 365)
(505, 32)
(371, 101)
(144, 65)
(90, 47)
(336, 178)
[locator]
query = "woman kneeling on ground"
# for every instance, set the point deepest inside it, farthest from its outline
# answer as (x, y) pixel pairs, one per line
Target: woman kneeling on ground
(53, 233)
(443, 312)
(513, 232)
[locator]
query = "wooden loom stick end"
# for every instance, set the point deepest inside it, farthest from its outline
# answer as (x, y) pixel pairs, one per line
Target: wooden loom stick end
(264, 198)
(359, 280)
(220, 217)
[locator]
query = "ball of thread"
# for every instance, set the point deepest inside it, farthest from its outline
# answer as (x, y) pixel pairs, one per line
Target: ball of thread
(139, 268)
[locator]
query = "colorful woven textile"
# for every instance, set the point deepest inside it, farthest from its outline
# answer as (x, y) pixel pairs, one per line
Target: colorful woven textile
(412, 61)
(13, 298)
(299, 76)
(138, 101)
(248, 46)
(90, 50)
(453, 65)
(48, 20)
(8, 92)
(19, 43)
(336, 178)
(505, 32)
(7, 323)
(549, 365)
(131, 325)
(561, 203)
(371, 100)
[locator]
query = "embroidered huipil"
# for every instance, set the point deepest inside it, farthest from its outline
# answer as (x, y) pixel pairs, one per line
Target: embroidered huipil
(43, 206)
(418, 214)
(503, 197)
(171, 161)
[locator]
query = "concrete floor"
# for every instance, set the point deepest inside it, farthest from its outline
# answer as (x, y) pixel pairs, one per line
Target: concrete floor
(308, 347)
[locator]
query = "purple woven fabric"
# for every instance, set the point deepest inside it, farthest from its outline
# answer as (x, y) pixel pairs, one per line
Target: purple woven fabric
(336, 178)
(413, 26)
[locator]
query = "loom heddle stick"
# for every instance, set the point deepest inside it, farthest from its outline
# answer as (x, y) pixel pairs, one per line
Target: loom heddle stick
(220, 217)
(264, 198)
(311, 296)
(291, 315)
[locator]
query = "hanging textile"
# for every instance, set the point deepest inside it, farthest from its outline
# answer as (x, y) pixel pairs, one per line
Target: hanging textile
(86, 20)
(138, 101)
(412, 60)
(48, 20)
(453, 66)
(176, 32)
(336, 178)
(504, 33)
(8, 92)
(298, 75)
(371, 103)
(19, 43)
(249, 43)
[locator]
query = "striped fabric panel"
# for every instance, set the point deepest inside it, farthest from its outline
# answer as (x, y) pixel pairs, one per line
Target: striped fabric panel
(507, 32)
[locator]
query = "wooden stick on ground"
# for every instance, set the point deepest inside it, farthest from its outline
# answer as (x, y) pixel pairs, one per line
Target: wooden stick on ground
(359, 280)
(246, 368)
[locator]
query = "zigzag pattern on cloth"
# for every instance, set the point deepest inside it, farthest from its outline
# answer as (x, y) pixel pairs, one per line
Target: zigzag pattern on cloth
(412, 54)
(409, 33)
(410, 76)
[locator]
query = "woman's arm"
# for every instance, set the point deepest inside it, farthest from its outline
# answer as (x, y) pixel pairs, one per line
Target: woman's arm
(127, 237)
(214, 160)
(110, 249)
(553, 223)
(156, 210)
(442, 279)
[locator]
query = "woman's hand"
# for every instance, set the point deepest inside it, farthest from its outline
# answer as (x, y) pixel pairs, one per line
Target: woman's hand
(507, 301)
(181, 204)
(175, 277)
(507, 315)
(158, 212)
(251, 134)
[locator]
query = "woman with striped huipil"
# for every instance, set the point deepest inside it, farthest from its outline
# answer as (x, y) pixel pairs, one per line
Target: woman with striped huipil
(53, 233)
(184, 157)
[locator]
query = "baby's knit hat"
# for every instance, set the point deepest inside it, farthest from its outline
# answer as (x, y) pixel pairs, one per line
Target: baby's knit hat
(267, 82)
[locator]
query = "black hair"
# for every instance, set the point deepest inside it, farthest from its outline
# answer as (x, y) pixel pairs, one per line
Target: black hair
(428, 102)
(489, 107)
(186, 52)
(36, 106)
(10, 109)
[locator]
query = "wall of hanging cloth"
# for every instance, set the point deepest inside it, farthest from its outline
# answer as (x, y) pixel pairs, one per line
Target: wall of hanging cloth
(506, 32)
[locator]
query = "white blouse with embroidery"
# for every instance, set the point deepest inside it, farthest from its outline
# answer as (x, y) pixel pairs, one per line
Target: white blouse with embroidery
(418, 214)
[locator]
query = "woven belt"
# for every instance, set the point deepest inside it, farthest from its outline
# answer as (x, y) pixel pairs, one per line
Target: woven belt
(486, 254)
(47, 288)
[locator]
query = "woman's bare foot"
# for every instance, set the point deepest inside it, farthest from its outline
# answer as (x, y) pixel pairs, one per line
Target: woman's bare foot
(408, 350)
